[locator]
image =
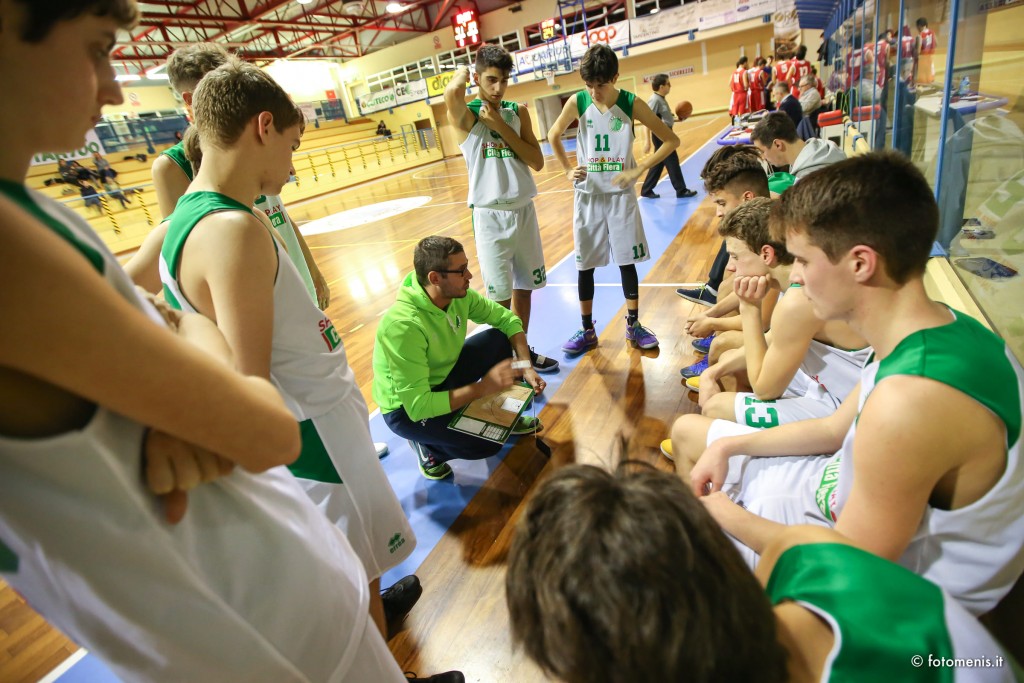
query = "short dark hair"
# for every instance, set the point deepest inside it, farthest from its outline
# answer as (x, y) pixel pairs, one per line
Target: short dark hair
(599, 64)
(741, 61)
(658, 81)
(626, 577)
(230, 96)
(775, 126)
(493, 55)
(880, 200)
(431, 254)
(748, 223)
(738, 173)
(801, 52)
(40, 17)
(922, 22)
(187, 65)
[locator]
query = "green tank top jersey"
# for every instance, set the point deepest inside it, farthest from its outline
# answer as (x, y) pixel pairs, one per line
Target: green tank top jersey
(881, 615)
(604, 142)
(177, 155)
(17, 193)
(191, 208)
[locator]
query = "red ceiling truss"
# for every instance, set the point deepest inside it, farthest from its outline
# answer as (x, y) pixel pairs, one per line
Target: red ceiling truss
(265, 30)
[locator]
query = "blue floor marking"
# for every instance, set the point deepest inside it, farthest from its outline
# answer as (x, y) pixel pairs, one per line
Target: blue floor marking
(432, 506)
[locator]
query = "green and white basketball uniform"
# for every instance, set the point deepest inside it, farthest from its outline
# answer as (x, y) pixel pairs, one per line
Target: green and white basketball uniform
(776, 488)
(888, 623)
(975, 553)
(177, 155)
(338, 466)
(254, 584)
(606, 219)
(273, 208)
(501, 192)
(825, 378)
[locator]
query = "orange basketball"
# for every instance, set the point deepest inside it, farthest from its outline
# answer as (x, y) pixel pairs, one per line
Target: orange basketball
(683, 110)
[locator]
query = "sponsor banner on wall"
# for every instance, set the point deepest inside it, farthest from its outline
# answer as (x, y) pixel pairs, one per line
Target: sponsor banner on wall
(664, 24)
(376, 101)
(674, 73)
(411, 92)
(437, 84)
(92, 144)
(787, 29)
(614, 35)
(541, 56)
(715, 13)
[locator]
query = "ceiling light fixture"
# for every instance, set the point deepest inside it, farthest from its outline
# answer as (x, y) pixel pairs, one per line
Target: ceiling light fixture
(395, 7)
(303, 2)
(127, 77)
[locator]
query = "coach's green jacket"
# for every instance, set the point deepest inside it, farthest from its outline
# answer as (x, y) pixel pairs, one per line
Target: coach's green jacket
(418, 343)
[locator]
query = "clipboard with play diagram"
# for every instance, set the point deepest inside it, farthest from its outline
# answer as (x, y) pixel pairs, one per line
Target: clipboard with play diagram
(492, 417)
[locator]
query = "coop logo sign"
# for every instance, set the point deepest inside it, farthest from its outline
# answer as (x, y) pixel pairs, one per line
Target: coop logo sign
(92, 144)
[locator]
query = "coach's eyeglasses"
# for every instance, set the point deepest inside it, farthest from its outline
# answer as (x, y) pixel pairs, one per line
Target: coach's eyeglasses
(461, 272)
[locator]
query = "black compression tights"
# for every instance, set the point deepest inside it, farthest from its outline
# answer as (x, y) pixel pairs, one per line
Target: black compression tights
(630, 283)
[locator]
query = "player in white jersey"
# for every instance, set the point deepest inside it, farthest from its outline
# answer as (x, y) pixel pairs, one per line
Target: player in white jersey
(500, 148)
(81, 536)
(668, 598)
(933, 488)
(796, 371)
(270, 323)
(171, 177)
(606, 217)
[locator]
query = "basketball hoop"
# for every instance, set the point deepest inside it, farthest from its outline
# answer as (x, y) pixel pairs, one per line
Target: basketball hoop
(550, 76)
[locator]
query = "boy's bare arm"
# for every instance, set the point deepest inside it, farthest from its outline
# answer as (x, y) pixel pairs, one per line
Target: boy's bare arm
(113, 355)
(772, 366)
(228, 269)
(917, 440)
(563, 121)
(144, 266)
(524, 144)
(459, 114)
(170, 182)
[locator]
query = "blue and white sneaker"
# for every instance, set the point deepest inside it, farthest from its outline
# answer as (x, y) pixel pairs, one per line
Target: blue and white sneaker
(703, 345)
(695, 369)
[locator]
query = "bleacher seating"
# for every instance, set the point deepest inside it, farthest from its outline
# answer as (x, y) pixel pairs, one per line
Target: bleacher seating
(333, 156)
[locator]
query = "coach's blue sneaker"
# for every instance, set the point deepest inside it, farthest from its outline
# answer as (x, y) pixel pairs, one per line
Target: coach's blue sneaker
(429, 467)
(580, 342)
(640, 335)
(703, 345)
(703, 295)
(695, 369)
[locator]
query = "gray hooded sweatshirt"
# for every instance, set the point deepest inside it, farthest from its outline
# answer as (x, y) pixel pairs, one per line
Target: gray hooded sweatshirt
(816, 154)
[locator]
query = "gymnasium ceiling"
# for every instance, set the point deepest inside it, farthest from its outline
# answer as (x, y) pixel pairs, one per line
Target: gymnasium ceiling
(266, 30)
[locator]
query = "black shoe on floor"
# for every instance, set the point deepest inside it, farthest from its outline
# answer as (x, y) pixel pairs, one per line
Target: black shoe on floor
(446, 677)
(686, 194)
(541, 363)
(650, 195)
(400, 598)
